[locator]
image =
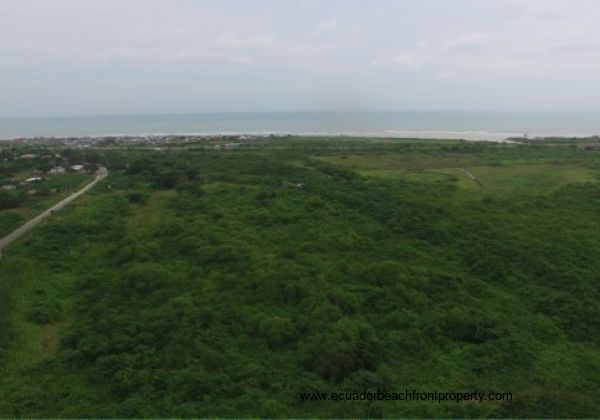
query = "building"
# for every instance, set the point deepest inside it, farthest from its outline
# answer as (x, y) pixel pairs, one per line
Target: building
(33, 179)
(77, 167)
(58, 170)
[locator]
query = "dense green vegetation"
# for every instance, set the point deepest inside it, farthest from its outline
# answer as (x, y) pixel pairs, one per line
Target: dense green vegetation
(225, 282)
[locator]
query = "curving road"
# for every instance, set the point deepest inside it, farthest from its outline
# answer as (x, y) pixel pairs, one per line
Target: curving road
(8, 239)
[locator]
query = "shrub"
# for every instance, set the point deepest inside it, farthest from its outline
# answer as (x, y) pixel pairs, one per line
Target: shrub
(10, 199)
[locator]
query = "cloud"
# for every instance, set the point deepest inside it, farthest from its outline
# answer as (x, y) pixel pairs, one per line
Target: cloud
(565, 78)
(327, 24)
(469, 42)
(574, 47)
(407, 62)
(403, 62)
(226, 48)
(264, 55)
(439, 76)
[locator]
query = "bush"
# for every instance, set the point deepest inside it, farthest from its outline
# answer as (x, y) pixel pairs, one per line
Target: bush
(277, 330)
(10, 199)
(167, 178)
(349, 346)
(137, 198)
(44, 314)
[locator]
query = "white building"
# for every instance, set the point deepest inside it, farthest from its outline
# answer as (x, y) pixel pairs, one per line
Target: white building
(57, 170)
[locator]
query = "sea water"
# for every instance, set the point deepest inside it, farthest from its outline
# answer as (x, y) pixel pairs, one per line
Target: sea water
(456, 125)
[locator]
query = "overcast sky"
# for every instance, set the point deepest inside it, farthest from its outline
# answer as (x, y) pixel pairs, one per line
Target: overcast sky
(83, 57)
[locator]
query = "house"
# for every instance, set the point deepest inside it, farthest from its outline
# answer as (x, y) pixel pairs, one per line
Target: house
(77, 167)
(58, 170)
(28, 156)
(294, 185)
(33, 179)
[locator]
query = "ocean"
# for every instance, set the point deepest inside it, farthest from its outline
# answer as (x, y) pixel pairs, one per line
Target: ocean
(455, 125)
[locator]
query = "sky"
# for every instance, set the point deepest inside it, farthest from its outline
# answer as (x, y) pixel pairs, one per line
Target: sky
(109, 57)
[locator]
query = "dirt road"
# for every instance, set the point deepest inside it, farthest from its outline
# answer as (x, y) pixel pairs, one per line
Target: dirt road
(8, 239)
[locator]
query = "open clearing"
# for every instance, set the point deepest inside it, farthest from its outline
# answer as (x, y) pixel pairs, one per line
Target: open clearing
(496, 178)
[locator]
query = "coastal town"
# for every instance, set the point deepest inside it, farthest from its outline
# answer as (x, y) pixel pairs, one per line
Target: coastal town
(43, 166)
(215, 141)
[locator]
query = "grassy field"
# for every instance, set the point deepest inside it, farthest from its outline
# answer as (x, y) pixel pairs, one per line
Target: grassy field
(203, 283)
